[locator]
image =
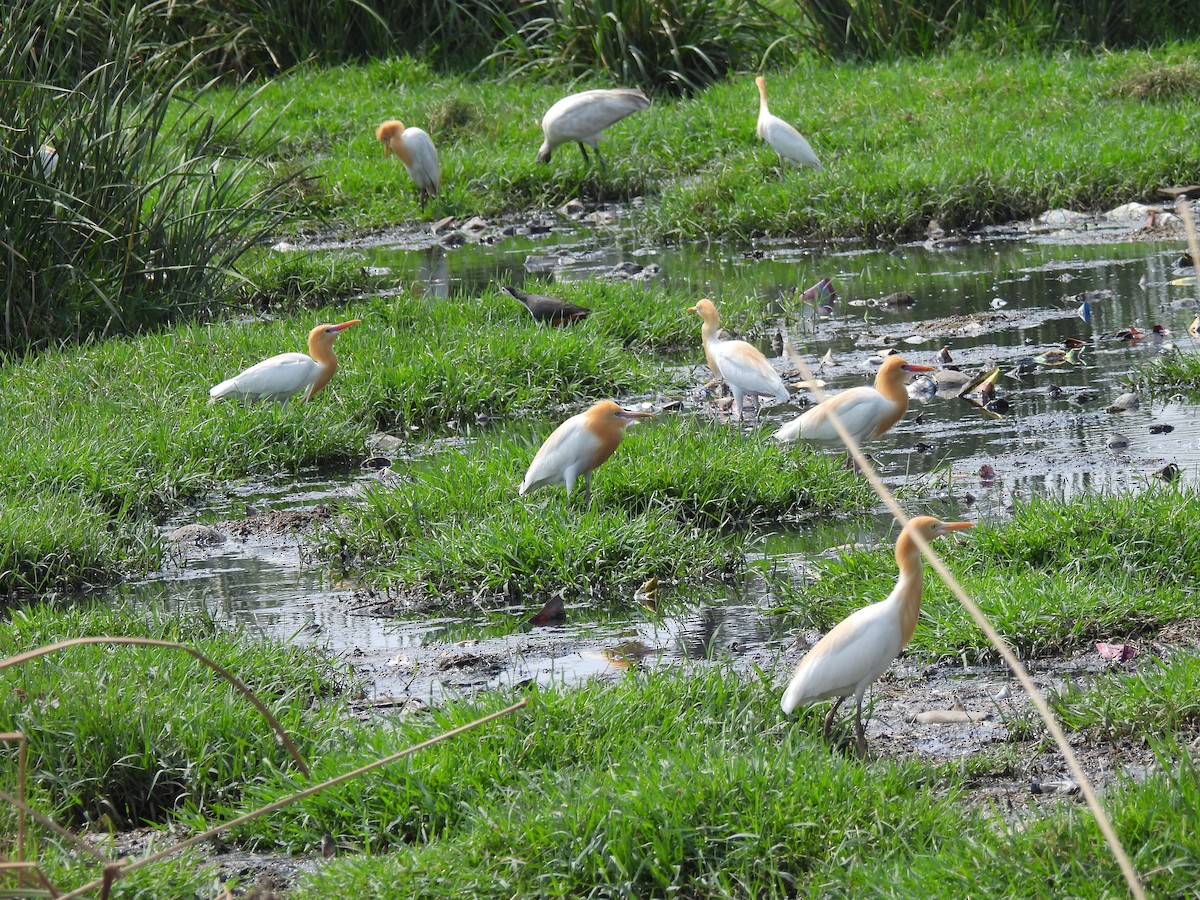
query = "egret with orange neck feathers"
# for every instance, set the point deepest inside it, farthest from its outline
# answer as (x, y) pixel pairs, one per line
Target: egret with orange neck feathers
(578, 446)
(415, 149)
(782, 137)
(867, 412)
(282, 377)
(742, 365)
(860, 648)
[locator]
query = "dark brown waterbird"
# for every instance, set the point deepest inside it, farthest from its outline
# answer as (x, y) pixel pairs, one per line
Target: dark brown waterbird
(549, 309)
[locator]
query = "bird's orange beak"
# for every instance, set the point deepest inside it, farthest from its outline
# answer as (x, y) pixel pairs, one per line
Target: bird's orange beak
(344, 325)
(691, 309)
(957, 526)
(915, 367)
(630, 414)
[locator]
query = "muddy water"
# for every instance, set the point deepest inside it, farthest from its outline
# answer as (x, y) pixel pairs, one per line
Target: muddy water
(1000, 300)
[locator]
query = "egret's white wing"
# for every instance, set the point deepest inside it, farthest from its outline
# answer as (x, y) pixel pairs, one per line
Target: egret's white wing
(856, 652)
(279, 377)
(741, 364)
(788, 142)
(563, 456)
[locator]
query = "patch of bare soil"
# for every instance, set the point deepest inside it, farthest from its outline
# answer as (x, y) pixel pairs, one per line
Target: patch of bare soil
(278, 522)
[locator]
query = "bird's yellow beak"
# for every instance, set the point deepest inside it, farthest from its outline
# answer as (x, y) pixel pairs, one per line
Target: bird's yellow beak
(631, 414)
(344, 325)
(916, 367)
(957, 526)
(691, 309)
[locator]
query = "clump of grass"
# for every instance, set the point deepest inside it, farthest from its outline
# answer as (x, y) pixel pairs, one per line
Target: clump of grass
(460, 529)
(65, 541)
(1161, 82)
(1056, 577)
(149, 731)
(715, 475)
(289, 282)
(1174, 372)
(1161, 696)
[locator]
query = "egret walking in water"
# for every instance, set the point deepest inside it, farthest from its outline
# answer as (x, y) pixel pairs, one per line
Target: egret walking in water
(783, 138)
(578, 446)
(415, 149)
(581, 117)
(860, 648)
(742, 365)
(867, 412)
(282, 377)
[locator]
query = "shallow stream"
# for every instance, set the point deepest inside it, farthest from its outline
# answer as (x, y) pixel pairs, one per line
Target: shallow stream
(998, 299)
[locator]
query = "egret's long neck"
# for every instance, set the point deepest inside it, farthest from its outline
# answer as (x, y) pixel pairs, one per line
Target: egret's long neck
(320, 348)
(708, 336)
(762, 99)
(908, 586)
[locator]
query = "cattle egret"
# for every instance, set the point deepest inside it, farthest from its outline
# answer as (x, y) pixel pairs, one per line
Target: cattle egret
(578, 446)
(742, 365)
(282, 377)
(415, 149)
(581, 117)
(46, 161)
(783, 138)
(867, 412)
(860, 648)
(548, 309)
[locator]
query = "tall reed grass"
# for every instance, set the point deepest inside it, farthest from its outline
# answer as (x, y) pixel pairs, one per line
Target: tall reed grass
(144, 214)
(678, 46)
(888, 29)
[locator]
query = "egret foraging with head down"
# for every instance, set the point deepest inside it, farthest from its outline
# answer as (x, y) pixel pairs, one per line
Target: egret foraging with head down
(742, 365)
(578, 446)
(782, 137)
(866, 412)
(581, 117)
(859, 649)
(282, 377)
(413, 147)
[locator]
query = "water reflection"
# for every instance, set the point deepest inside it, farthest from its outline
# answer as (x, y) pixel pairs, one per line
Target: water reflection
(1054, 440)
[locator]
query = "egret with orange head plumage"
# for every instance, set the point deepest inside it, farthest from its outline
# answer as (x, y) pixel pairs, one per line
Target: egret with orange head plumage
(413, 147)
(288, 374)
(867, 412)
(578, 446)
(860, 648)
(742, 365)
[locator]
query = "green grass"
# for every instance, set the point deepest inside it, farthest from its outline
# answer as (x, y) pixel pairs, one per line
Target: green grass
(660, 781)
(963, 138)
(1053, 579)
(454, 525)
(1158, 695)
(150, 732)
(1172, 372)
(668, 782)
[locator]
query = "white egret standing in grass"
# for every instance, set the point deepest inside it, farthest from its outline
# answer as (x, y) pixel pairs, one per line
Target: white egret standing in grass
(282, 377)
(742, 365)
(415, 149)
(578, 446)
(867, 412)
(859, 648)
(581, 117)
(782, 137)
